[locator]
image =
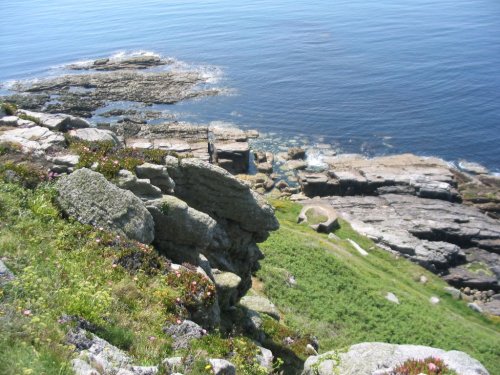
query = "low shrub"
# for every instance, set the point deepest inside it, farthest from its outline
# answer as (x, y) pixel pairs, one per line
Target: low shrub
(9, 108)
(428, 366)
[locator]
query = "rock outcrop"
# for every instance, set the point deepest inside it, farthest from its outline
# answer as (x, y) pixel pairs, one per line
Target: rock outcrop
(35, 139)
(380, 359)
(91, 199)
(428, 231)
(243, 217)
(401, 174)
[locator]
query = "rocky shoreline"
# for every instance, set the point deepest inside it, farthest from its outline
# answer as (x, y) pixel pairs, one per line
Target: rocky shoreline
(197, 201)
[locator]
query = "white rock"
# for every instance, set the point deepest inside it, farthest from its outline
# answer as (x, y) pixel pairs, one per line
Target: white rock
(434, 300)
(392, 298)
(222, 367)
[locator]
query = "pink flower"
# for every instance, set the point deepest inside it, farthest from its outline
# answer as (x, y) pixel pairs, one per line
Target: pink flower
(152, 338)
(432, 367)
(114, 265)
(27, 312)
(178, 321)
(194, 283)
(98, 240)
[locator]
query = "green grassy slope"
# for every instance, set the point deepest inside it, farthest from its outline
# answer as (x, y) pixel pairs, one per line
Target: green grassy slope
(339, 295)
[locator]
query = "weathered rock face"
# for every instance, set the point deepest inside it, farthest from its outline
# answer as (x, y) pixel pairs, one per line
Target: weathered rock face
(243, 217)
(91, 199)
(401, 174)
(428, 231)
(5, 274)
(59, 122)
(381, 358)
(131, 62)
(181, 232)
(35, 139)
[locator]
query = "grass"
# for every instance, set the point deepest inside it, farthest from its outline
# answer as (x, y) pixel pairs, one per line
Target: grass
(122, 288)
(339, 295)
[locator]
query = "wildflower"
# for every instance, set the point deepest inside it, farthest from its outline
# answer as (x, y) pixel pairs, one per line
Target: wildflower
(114, 265)
(208, 367)
(194, 283)
(101, 229)
(178, 321)
(152, 338)
(136, 278)
(209, 294)
(27, 312)
(98, 240)
(432, 367)
(178, 300)
(115, 162)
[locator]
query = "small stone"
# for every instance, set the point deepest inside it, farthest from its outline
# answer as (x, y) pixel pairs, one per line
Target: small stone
(222, 367)
(434, 300)
(391, 297)
(475, 307)
(423, 279)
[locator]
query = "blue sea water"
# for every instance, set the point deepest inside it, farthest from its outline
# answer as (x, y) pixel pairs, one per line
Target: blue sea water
(372, 76)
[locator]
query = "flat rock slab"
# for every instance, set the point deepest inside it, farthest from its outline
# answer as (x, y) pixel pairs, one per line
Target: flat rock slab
(5, 274)
(380, 358)
(428, 231)
(94, 135)
(407, 174)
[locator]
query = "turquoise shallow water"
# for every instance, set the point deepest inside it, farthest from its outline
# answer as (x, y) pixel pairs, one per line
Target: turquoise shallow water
(370, 76)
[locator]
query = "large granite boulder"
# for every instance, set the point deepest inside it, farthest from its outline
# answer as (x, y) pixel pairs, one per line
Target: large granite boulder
(215, 191)
(380, 358)
(181, 232)
(243, 217)
(91, 199)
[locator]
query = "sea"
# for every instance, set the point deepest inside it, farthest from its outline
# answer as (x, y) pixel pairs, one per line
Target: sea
(375, 77)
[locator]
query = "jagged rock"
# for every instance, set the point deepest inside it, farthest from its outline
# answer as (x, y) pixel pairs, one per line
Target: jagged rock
(234, 154)
(173, 364)
(381, 358)
(222, 367)
(140, 187)
(183, 333)
(428, 231)
(36, 139)
(57, 122)
(227, 284)
(6, 275)
(94, 135)
(98, 353)
(91, 199)
(181, 232)
(296, 153)
(12, 121)
(265, 358)
(158, 176)
(261, 305)
(81, 367)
